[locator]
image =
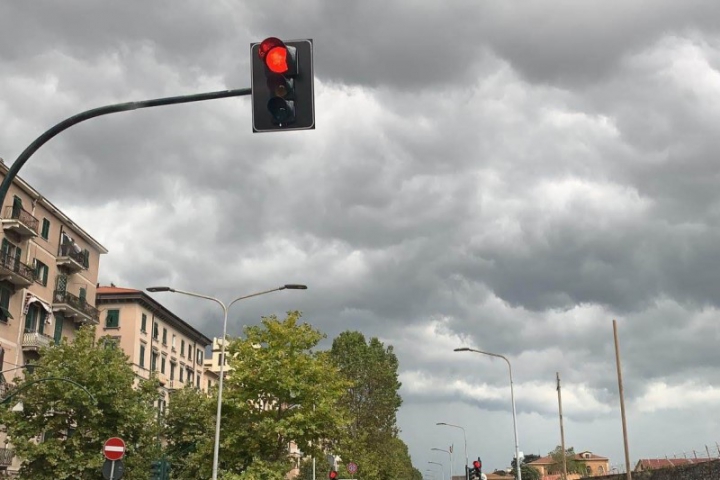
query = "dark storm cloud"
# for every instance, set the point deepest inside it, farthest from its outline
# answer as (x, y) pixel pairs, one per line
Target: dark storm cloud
(501, 176)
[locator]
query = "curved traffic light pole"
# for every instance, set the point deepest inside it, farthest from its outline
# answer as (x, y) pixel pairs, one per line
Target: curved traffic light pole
(97, 112)
(47, 379)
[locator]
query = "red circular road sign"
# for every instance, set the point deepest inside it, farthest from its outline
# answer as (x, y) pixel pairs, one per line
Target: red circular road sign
(114, 448)
(352, 467)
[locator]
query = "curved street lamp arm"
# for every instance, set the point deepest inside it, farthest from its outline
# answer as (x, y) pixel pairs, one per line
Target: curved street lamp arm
(47, 379)
(97, 112)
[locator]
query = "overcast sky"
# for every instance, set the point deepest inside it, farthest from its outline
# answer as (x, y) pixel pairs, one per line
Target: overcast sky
(507, 176)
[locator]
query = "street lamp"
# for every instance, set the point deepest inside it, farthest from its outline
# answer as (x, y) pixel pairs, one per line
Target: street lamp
(512, 399)
(449, 453)
(442, 468)
(464, 439)
(291, 286)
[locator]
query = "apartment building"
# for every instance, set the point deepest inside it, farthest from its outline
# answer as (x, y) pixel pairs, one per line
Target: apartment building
(155, 339)
(48, 273)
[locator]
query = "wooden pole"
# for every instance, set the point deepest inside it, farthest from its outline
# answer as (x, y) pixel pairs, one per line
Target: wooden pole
(562, 429)
(628, 474)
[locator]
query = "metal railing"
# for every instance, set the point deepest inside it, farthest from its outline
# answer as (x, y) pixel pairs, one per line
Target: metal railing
(77, 303)
(69, 251)
(11, 263)
(36, 339)
(6, 456)
(23, 216)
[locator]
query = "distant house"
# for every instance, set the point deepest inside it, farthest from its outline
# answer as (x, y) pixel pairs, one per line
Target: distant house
(656, 463)
(595, 465)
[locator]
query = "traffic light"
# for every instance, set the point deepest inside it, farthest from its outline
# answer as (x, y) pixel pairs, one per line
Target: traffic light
(160, 470)
(156, 470)
(283, 97)
(333, 475)
(475, 472)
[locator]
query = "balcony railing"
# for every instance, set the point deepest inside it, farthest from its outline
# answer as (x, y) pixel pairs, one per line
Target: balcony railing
(24, 217)
(20, 273)
(35, 340)
(76, 303)
(6, 456)
(69, 251)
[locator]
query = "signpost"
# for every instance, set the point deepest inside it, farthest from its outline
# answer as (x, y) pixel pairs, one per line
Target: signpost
(114, 450)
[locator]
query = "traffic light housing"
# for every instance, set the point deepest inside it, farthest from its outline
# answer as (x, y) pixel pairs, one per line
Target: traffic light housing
(283, 96)
(333, 475)
(475, 471)
(160, 470)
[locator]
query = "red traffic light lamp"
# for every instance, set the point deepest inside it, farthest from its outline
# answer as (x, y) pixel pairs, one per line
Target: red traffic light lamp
(282, 85)
(333, 475)
(477, 465)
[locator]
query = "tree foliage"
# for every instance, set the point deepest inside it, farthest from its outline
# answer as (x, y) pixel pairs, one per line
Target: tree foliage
(280, 391)
(189, 433)
(372, 401)
(73, 428)
(573, 465)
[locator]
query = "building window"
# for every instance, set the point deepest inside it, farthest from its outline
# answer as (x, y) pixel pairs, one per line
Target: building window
(35, 319)
(173, 342)
(41, 272)
(45, 232)
(173, 365)
(190, 352)
(156, 330)
(162, 364)
(181, 373)
(111, 342)
(182, 348)
(113, 319)
(198, 381)
(142, 355)
(199, 357)
(153, 361)
(143, 323)
(5, 294)
(59, 320)
(164, 336)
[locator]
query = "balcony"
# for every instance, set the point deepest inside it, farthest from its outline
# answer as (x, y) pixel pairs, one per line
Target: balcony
(32, 341)
(72, 306)
(14, 271)
(6, 456)
(20, 221)
(71, 260)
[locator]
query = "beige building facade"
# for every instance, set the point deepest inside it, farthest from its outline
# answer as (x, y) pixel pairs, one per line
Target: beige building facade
(155, 339)
(48, 276)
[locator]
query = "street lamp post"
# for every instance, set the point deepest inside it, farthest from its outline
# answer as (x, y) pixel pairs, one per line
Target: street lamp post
(450, 454)
(512, 399)
(442, 468)
(464, 439)
(216, 448)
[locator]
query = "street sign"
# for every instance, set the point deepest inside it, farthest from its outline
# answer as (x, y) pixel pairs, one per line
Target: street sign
(352, 467)
(113, 472)
(114, 448)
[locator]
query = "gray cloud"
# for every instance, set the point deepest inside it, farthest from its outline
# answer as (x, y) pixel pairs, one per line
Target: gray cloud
(504, 178)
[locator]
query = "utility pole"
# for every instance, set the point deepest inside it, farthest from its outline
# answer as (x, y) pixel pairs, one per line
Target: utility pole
(628, 474)
(562, 429)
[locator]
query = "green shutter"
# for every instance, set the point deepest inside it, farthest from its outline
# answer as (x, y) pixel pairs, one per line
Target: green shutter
(143, 323)
(45, 233)
(142, 355)
(113, 319)
(59, 320)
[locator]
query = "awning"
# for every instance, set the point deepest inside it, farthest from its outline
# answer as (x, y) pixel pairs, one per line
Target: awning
(30, 298)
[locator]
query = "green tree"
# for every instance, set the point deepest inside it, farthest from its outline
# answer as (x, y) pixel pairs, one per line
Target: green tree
(528, 472)
(280, 391)
(372, 401)
(573, 465)
(71, 426)
(189, 433)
